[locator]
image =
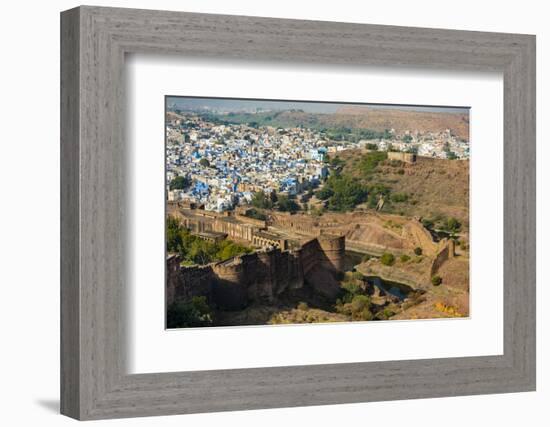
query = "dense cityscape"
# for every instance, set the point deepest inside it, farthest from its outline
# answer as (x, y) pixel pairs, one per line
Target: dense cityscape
(223, 165)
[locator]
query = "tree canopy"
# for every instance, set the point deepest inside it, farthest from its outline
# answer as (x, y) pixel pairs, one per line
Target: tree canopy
(342, 192)
(180, 183)
(195, 250)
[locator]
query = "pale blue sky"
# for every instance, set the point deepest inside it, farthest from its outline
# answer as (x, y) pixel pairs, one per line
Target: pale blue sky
(310, 107)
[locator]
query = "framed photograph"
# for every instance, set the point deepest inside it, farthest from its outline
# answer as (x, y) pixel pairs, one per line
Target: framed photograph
(288, 212)
(261, 213)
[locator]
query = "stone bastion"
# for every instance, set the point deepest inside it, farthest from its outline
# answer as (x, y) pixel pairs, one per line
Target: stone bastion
(260, 277)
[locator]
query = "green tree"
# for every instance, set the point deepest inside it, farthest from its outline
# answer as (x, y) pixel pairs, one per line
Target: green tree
(201, 252)
(452, 225)
(174, 240)
(261, 201)
(228, 249)
(347, 193)
(193, 313)
(375, 191)
(387, 259)
(324, 193)
(180, 183)
(428, 223)
(273, 197)
(256, 214)
(337, 162)
(197, 251)
(204, 162)
(404, 258)
(286, 204)
(436, 280)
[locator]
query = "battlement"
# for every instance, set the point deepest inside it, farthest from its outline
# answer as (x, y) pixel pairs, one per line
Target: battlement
(404, 157)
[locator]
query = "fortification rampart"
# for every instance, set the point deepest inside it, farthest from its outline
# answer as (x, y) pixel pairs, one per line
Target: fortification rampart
(333, 250)
(301, 224)
(404, 157)
(190, 282)
(261, 276)
(252, 221)
(445, 251)
(419, 236)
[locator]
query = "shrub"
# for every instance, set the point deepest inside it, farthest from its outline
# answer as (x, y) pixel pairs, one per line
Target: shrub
(193, 313)
(428, 223)
(395, 163)
(360, 308)
(302, 306)
(404, 258)
(370, 160)
(324, 193)
(385, 314)
(418, 251)
(447, 309)
(365, 314)
(356, 275)
(452, 225)
(387, 259)
(286, 204)
(436, 280)
(351, 289)
(360, 302)
(399, 197)
(255, 214)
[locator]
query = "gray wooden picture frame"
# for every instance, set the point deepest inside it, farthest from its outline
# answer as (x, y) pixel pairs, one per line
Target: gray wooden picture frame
(94, 41)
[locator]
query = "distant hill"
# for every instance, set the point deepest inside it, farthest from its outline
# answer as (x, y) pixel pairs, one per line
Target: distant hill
(355, 117)
(403, 120)
(170, 115)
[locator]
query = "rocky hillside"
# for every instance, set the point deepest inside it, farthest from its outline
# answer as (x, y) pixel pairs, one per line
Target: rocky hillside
(403, 120)
(432, 188)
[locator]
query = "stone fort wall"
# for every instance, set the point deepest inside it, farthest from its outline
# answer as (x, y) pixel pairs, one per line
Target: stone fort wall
(404, 157)
(259, 277)
(446, 251)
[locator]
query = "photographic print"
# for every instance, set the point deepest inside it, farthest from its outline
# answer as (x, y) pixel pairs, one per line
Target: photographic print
(292, 212)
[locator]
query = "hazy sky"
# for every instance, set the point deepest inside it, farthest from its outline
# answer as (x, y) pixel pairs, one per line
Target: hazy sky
(227, 104)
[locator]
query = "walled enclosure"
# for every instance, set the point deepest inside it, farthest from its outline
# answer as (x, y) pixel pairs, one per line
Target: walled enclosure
(258, 277)
(262, 276)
